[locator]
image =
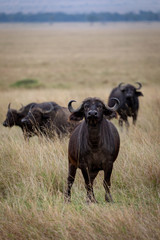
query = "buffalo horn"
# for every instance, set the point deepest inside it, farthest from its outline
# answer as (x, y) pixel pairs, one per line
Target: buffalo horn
(31, 107)
(22, 108)
(139, 85)
(116, 105)
(9, 106)
(48, 111)
(120, 86)
(70, 106)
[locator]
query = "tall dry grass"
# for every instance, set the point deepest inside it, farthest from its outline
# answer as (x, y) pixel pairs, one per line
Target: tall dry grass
(33, 175)
(33, 179)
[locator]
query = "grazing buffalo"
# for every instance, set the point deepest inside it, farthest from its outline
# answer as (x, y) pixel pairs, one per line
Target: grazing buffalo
(129, 103)
(93, 145)
(48, 119)
(14, 118)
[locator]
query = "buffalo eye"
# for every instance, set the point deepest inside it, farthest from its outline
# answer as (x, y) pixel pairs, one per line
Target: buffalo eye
(86, 107)
(99, 107)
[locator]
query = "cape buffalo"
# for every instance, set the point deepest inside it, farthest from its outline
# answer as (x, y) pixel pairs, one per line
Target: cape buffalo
(93, 145)
(129, 102)
(48, 119)
(14, 117)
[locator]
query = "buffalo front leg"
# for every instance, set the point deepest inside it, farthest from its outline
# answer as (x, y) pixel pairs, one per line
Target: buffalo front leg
(107, 183)
(134, 118)
(89, 178)
(125, 119)
(126, 122)
(120, 122)
(70, 181)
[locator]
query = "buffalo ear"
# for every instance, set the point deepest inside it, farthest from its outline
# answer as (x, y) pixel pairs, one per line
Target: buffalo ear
(138, 94)
(107, 112)
(46, 115)
(77, 116)
(122, 90)
(112, 115)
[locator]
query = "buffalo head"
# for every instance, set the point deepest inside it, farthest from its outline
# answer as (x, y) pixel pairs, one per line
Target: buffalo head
(130, 91)
(36, 115)
(12, 116)
(92, 109)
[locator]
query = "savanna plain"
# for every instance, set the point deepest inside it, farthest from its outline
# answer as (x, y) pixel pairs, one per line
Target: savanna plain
(75, 61)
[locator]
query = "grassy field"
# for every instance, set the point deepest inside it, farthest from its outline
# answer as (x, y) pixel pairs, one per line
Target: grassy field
(75, 62)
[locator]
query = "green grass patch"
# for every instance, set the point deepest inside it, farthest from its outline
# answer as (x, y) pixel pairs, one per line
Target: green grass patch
(27, 83)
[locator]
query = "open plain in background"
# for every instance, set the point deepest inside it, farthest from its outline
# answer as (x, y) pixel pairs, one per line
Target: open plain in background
(75, 61)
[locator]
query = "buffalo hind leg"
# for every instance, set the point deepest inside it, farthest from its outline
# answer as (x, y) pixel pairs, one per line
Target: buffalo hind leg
(70, 181)
(89, 178)
(107, 183)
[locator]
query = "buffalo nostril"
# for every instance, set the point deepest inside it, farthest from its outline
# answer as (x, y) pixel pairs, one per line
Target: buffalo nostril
(129, 95)
(92, 113)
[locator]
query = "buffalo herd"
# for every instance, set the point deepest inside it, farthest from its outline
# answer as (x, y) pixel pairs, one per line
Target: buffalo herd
(47, 119)
(94, 141)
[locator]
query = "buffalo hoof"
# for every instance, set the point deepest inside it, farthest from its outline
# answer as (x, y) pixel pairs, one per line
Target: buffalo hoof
(108, 198)
(91, 200)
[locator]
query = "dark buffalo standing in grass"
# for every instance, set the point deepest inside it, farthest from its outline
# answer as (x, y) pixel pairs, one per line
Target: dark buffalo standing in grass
(93, 145)
(14, 117)
(129, 103)
(49, 119)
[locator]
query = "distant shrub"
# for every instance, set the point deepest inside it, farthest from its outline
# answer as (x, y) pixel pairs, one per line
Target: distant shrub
(27, 83)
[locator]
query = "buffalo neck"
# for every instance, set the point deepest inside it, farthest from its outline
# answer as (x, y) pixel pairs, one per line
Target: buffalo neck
(18, 119)
(94, 134)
